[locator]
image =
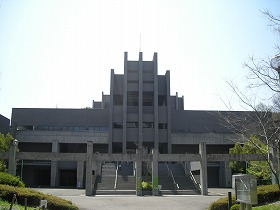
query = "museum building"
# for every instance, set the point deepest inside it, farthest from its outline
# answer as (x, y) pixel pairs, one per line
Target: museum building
(139, 113)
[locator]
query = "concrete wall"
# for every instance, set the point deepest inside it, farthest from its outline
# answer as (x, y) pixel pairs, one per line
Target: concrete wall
(4, 125)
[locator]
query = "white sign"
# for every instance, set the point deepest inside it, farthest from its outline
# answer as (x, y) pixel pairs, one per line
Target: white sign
(44, 203)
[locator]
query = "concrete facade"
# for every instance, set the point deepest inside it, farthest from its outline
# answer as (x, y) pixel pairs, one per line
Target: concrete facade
(139, 113)
(4, 125)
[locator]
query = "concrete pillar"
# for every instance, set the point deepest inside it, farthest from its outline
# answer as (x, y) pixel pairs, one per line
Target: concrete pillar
(98, 167)
(89, 168)
(155, 172)
(124, 104)
(155, 61)
(80, 174)
(111, 112)
(54, 165)
(138, 172)
(187, 168)
(228, 175)
(12, 159)
(168, 106)
(203, 169)
(140, 98)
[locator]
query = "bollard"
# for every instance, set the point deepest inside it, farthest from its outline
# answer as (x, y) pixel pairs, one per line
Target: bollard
(229, 200)
(13, 200)
(25, 203)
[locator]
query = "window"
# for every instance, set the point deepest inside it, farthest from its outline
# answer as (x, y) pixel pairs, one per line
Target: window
(118, 100)
(162, 126)
(148, 98)
(118, 125)
(93, 128)
(25, 127)
(132, 124)
(148, 124)
(103, 128)
(132, 98)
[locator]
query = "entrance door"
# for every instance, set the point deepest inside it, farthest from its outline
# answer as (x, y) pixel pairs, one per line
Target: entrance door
(68, 178)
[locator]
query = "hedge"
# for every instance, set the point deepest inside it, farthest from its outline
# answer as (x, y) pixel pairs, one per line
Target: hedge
(34, 198)
(221, 204)
(266, 194)
(11, 180)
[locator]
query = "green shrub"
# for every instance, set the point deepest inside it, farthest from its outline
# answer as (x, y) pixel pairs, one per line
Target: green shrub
(147, 185)
(221, 204)
(34, 197)
(266, 194)
(235, 207)
(11, 180)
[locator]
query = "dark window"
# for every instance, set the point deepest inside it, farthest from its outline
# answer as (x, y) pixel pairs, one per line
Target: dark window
(148, 98)
(93, 128)
(162, 126)
(148, 124)
(118, 100)
(162, 100)
(132, 98)
(103, 128)
(132, 124)
(25, 127)
(118, 125)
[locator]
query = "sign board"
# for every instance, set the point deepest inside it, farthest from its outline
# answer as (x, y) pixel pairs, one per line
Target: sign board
(44, 203)
(246, 189)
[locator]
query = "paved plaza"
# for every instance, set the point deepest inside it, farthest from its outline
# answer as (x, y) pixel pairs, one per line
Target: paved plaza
(120, 202)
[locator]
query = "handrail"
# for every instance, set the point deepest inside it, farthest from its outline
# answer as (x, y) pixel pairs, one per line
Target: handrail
(116, 178)
(173, 179)
(197, 185)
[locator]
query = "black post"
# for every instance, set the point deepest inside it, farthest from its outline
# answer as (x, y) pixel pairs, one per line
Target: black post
(13, 200)
(25, 203)
(229, 200)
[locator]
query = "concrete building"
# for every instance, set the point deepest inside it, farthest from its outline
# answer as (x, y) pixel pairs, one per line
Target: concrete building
(139, 113)
(4, 125)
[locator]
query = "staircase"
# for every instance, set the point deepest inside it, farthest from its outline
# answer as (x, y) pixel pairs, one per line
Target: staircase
(172, 179)
(126, 183)
(185, 184)
(104, 183)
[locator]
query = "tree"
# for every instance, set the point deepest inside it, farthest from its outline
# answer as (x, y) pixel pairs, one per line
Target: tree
(263, 121)
(4, 147)
(258, 168)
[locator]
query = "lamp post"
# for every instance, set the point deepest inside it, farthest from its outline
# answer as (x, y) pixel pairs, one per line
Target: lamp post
(15, 144)
(275, 64)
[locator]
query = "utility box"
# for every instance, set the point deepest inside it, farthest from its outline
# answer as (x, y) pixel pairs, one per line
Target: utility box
(246, 189)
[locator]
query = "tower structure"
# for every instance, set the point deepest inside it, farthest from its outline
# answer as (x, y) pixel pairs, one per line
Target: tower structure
(140, 107)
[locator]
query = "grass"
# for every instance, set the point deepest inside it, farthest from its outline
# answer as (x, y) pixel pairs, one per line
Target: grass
(268, 207)
(4, 205)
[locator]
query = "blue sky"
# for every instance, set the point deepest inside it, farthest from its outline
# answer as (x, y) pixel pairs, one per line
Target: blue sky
(59, 53)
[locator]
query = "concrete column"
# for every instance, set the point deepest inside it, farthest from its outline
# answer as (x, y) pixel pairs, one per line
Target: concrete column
(222, 178)
(124, 104)
(176, 101)
(140, 103)
(228, 175)
(54, 165)
(111, 112)
(89, 168)
(155, 172)
(156, 144)
(12, 159)
(138, 172)
(80, 174)
(168, 106)
(203, 169)
(187, 168)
